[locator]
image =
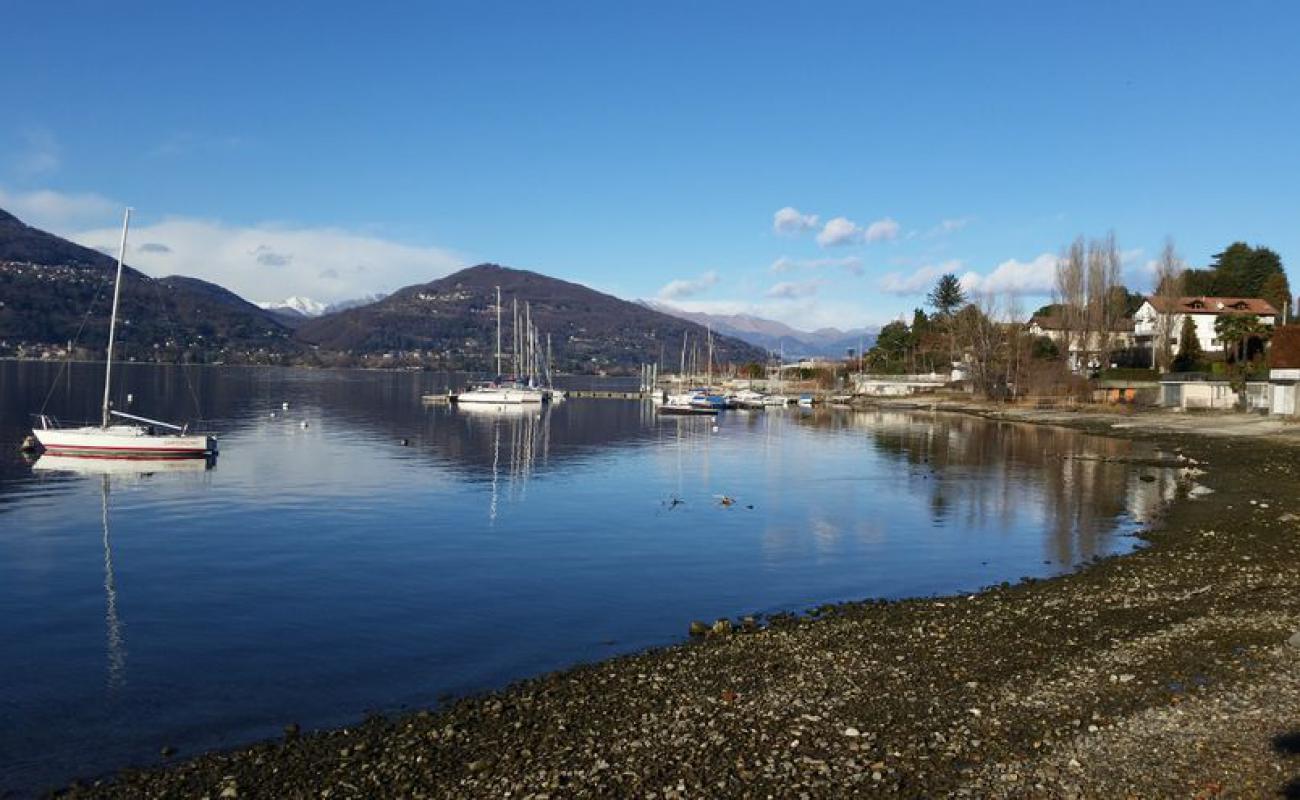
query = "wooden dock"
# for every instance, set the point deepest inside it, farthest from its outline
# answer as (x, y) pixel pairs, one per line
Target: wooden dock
(606, 395)
(599, 394)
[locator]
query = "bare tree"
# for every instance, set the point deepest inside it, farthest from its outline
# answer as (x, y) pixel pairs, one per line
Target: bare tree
(1105, 305)
(1169, 289)
(1017, 346)
(1069, 294)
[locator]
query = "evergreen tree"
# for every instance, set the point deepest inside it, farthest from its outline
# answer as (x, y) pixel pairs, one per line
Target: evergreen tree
(947, 295)
(946, 298)
(1242, 271)
(1190, 353)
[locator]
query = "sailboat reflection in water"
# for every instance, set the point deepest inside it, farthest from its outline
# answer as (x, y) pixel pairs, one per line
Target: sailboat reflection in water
(122, 471)
(526, 432)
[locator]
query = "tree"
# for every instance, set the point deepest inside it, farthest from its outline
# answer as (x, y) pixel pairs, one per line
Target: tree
(1169, 290)
(1104, 307)
(1242, 271)
(1277, 291)
(945, 298)
(1190, 354)
(892, 345)
(1069, 293)
(947, 295)
(1237, 330)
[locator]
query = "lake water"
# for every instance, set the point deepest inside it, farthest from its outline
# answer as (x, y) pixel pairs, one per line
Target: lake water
(320, 569)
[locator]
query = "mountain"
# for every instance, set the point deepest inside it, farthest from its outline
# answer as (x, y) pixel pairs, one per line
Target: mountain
(776, 336)
(455, 318)
(294, 311)
(53, 291)
(298, 306)
(364, 300)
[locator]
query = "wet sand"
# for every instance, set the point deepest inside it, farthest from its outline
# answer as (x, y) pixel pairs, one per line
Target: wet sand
(1164, 673)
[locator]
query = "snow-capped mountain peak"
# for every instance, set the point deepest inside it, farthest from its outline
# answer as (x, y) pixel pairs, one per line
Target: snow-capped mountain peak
(303, 305)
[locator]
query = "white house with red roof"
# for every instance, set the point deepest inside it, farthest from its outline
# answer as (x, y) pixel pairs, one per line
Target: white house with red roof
(1203, 311)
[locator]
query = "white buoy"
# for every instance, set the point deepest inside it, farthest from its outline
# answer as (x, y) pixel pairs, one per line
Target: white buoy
(304, 423)
(715, 428)
(130, 398)
(272, 415)
(285, 405)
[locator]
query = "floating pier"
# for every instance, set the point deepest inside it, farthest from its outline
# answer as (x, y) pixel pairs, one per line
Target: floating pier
(607, 395)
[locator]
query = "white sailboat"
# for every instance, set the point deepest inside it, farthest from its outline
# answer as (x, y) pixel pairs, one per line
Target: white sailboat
(499, 393)
(136, 437)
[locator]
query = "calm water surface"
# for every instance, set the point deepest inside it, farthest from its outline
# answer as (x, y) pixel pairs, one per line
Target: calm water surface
(320, 569)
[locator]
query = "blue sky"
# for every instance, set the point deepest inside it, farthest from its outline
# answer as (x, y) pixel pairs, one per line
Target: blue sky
(645, 149)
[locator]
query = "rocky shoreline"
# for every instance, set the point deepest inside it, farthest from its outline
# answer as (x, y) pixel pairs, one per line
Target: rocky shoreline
(1163, 673)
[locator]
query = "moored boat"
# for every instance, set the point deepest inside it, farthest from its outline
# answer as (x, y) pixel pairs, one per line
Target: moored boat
(502, 395)
(132, 436)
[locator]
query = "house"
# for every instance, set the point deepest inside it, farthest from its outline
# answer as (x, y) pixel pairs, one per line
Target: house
(1192, 391)
(897, 385)
(1284, 372)
(1053, 327)
(1156, 312)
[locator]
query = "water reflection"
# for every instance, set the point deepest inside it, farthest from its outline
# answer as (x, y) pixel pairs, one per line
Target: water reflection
(526, 433)
(980, 474)
(106, 470)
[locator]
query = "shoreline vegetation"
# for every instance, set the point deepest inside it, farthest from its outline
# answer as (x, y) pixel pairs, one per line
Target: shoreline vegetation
(1173, 670)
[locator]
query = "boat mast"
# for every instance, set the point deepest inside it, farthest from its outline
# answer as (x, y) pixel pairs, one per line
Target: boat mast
(528, 340)
(710, 367)
(685, 336)
(498, 375)
(514, 332)
(112, 323)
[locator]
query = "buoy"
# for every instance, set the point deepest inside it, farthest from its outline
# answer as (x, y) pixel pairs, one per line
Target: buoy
(285, 405)
(304, 423)
(130, 398)
(272, 415)
(406, 443)
(715, 428)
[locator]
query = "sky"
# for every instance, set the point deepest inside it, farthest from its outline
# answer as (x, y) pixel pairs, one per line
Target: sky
(816, 163)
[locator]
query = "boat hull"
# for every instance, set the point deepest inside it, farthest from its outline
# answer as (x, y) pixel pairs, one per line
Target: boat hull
(130, 443)
(501, 397)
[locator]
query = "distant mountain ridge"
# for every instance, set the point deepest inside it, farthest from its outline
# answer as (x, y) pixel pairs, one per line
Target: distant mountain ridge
(55, 291)
(298, 306)
(775, 336)
(301, 306)
(456, 315)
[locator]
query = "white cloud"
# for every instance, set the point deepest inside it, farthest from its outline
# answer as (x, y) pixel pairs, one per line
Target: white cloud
(57, 211)
(882, 230)
(39, 153)
(1035, 277)
(790, 220)
(272, 262)
(838, 231)
(793, 290)
(851, 264)
(920, 281)
(683, 288)
(842, 231)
